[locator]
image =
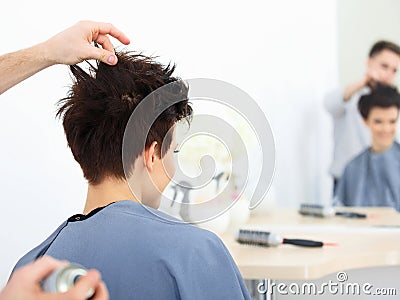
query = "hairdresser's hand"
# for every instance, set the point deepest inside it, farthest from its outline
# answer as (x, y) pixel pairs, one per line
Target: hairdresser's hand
(369, 79)
(25, 283)
(354, 87)
(372, 76)
(75, 44)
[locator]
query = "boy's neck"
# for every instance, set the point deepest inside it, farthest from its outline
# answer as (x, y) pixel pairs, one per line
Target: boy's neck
(106, 192)
(376, 148)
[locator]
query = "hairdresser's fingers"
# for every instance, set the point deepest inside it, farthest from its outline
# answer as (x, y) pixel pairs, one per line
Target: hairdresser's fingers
(101, 292)
(101, 54)
(366, 77)
(105, 42)
(106, 56)
(41, 268)
(108, 28)
(373, 75)
(85, 284)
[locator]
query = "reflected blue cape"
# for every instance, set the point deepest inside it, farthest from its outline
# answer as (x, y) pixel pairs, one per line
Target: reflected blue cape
(371, 179)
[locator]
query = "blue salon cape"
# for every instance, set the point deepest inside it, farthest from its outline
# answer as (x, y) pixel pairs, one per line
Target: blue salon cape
(371, 179)
(145, 254)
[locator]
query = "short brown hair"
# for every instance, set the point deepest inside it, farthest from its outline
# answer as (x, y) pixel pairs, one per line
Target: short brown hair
(381, 95)
(100, 102)
(379, 46)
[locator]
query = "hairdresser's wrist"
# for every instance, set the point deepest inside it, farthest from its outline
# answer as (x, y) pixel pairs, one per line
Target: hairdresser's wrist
(45, 54)
(352, 88)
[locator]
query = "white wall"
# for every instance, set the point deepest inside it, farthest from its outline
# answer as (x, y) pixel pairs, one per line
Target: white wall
(283, 53)
(360, 24)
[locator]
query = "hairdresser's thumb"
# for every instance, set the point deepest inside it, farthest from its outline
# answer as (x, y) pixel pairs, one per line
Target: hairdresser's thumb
(111, 58)
(85, 286)
(105, 56)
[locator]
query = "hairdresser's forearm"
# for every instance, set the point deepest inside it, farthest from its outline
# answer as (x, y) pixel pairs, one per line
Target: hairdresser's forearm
(18, 66)
(353, 88)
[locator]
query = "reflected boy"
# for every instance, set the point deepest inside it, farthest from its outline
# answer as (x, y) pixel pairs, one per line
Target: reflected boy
(372, 177)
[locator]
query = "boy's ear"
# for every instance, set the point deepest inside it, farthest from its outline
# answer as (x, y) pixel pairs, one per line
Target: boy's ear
(150, 156)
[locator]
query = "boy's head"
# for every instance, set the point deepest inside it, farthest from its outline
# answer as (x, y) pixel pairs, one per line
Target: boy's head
(380, 111)
(383, 61)
(100, 102)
